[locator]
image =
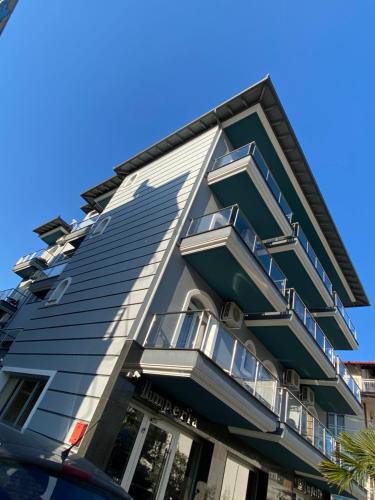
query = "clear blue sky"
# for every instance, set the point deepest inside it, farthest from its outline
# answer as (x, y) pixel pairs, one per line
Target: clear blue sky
(85, 85)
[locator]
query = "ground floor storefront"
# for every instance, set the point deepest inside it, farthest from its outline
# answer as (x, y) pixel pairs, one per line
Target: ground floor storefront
(166, 451)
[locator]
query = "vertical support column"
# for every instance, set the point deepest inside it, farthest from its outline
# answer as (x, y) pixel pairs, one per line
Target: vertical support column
(216, 473)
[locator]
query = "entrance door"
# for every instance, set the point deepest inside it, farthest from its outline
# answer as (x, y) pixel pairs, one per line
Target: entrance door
(161, 465)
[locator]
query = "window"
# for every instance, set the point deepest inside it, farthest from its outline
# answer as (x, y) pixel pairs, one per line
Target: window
(100, 227)
(58, 292)
(18, 398)
(336, 423)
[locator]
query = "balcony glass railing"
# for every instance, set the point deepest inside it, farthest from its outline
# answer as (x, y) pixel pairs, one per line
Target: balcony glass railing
(298, 232)
(300, 419)
(232, 216)
(345, 315)
(12, 295)
(348, 379)
(84, 223)
(200, 330)
(368, 385)
(40, 254)
(296, 303)
(51, 271)
(253, 151)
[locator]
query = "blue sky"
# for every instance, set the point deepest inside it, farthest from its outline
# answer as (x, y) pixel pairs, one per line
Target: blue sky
(84, 87)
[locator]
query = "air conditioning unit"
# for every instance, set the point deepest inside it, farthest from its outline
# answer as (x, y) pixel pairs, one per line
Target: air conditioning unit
(307, 396)
(292, 380)
(231, 315)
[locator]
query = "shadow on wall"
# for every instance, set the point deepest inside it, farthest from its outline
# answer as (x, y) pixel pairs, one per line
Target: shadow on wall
(82, 336)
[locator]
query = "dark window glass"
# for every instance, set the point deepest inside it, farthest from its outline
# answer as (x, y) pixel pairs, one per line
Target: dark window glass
(124, 444)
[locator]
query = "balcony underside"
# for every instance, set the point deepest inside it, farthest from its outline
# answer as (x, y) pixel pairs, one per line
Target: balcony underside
(229, 267)
(241, 183)
(334, 396)
(301, 274)
(43, 284)
(192, 378)
(291, 344)
(293, 452)
(26, 269)
(336, 329)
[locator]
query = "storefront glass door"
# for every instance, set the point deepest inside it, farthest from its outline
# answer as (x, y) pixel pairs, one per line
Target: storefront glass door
(156, 461)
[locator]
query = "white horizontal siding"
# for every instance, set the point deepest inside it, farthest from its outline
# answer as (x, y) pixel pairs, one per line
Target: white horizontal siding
(112, 276)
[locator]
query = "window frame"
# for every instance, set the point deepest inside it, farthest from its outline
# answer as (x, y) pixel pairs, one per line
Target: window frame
(22, 373)
(101, 222)
(52, 300)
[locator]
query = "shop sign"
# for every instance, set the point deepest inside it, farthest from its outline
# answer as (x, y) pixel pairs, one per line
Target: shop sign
(302, 486)
(167, 406)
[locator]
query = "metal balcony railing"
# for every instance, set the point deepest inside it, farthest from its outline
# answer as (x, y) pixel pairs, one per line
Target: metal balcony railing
(42, 254)
(12, 295)
(368, 385)
(345, 315)
(232, 216)
(253, 151)
(200, 330)
(298, 232)
(300, 418)
(298, 306)
(343, 372)
(84, 223)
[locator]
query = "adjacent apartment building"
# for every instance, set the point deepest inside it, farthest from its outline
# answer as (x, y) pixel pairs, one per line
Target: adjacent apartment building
(183, 336)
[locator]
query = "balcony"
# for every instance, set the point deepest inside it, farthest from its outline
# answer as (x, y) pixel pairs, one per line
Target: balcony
(368, 386)
(338, 395)
(9, 300)
(338, 325)
(305, 273)
(192, 357)
(295, 338)
(242, 176)
(7, 337)
(27, 265)
(79, 230)
(45, 280)
(225, 250)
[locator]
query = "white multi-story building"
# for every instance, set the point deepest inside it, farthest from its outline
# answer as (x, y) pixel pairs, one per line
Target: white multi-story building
(183, 336)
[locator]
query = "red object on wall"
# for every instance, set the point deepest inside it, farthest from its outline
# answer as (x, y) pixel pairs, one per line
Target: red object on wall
(78, 433)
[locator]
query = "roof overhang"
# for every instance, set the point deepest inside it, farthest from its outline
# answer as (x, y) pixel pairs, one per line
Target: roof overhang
(264, 93)
(52, 224)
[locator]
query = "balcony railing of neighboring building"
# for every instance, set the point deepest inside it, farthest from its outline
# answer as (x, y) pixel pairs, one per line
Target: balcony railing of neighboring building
(202, 331)
(298, 306)
(348, 379)
(84, 223)
(297, 416)
(42, 254)
(253, 151)
(368, 385)
(232, 216)
(345, 315)
(13, 296)
(298, 232)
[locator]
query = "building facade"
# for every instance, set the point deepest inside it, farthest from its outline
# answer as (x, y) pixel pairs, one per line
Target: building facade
(183, 336)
